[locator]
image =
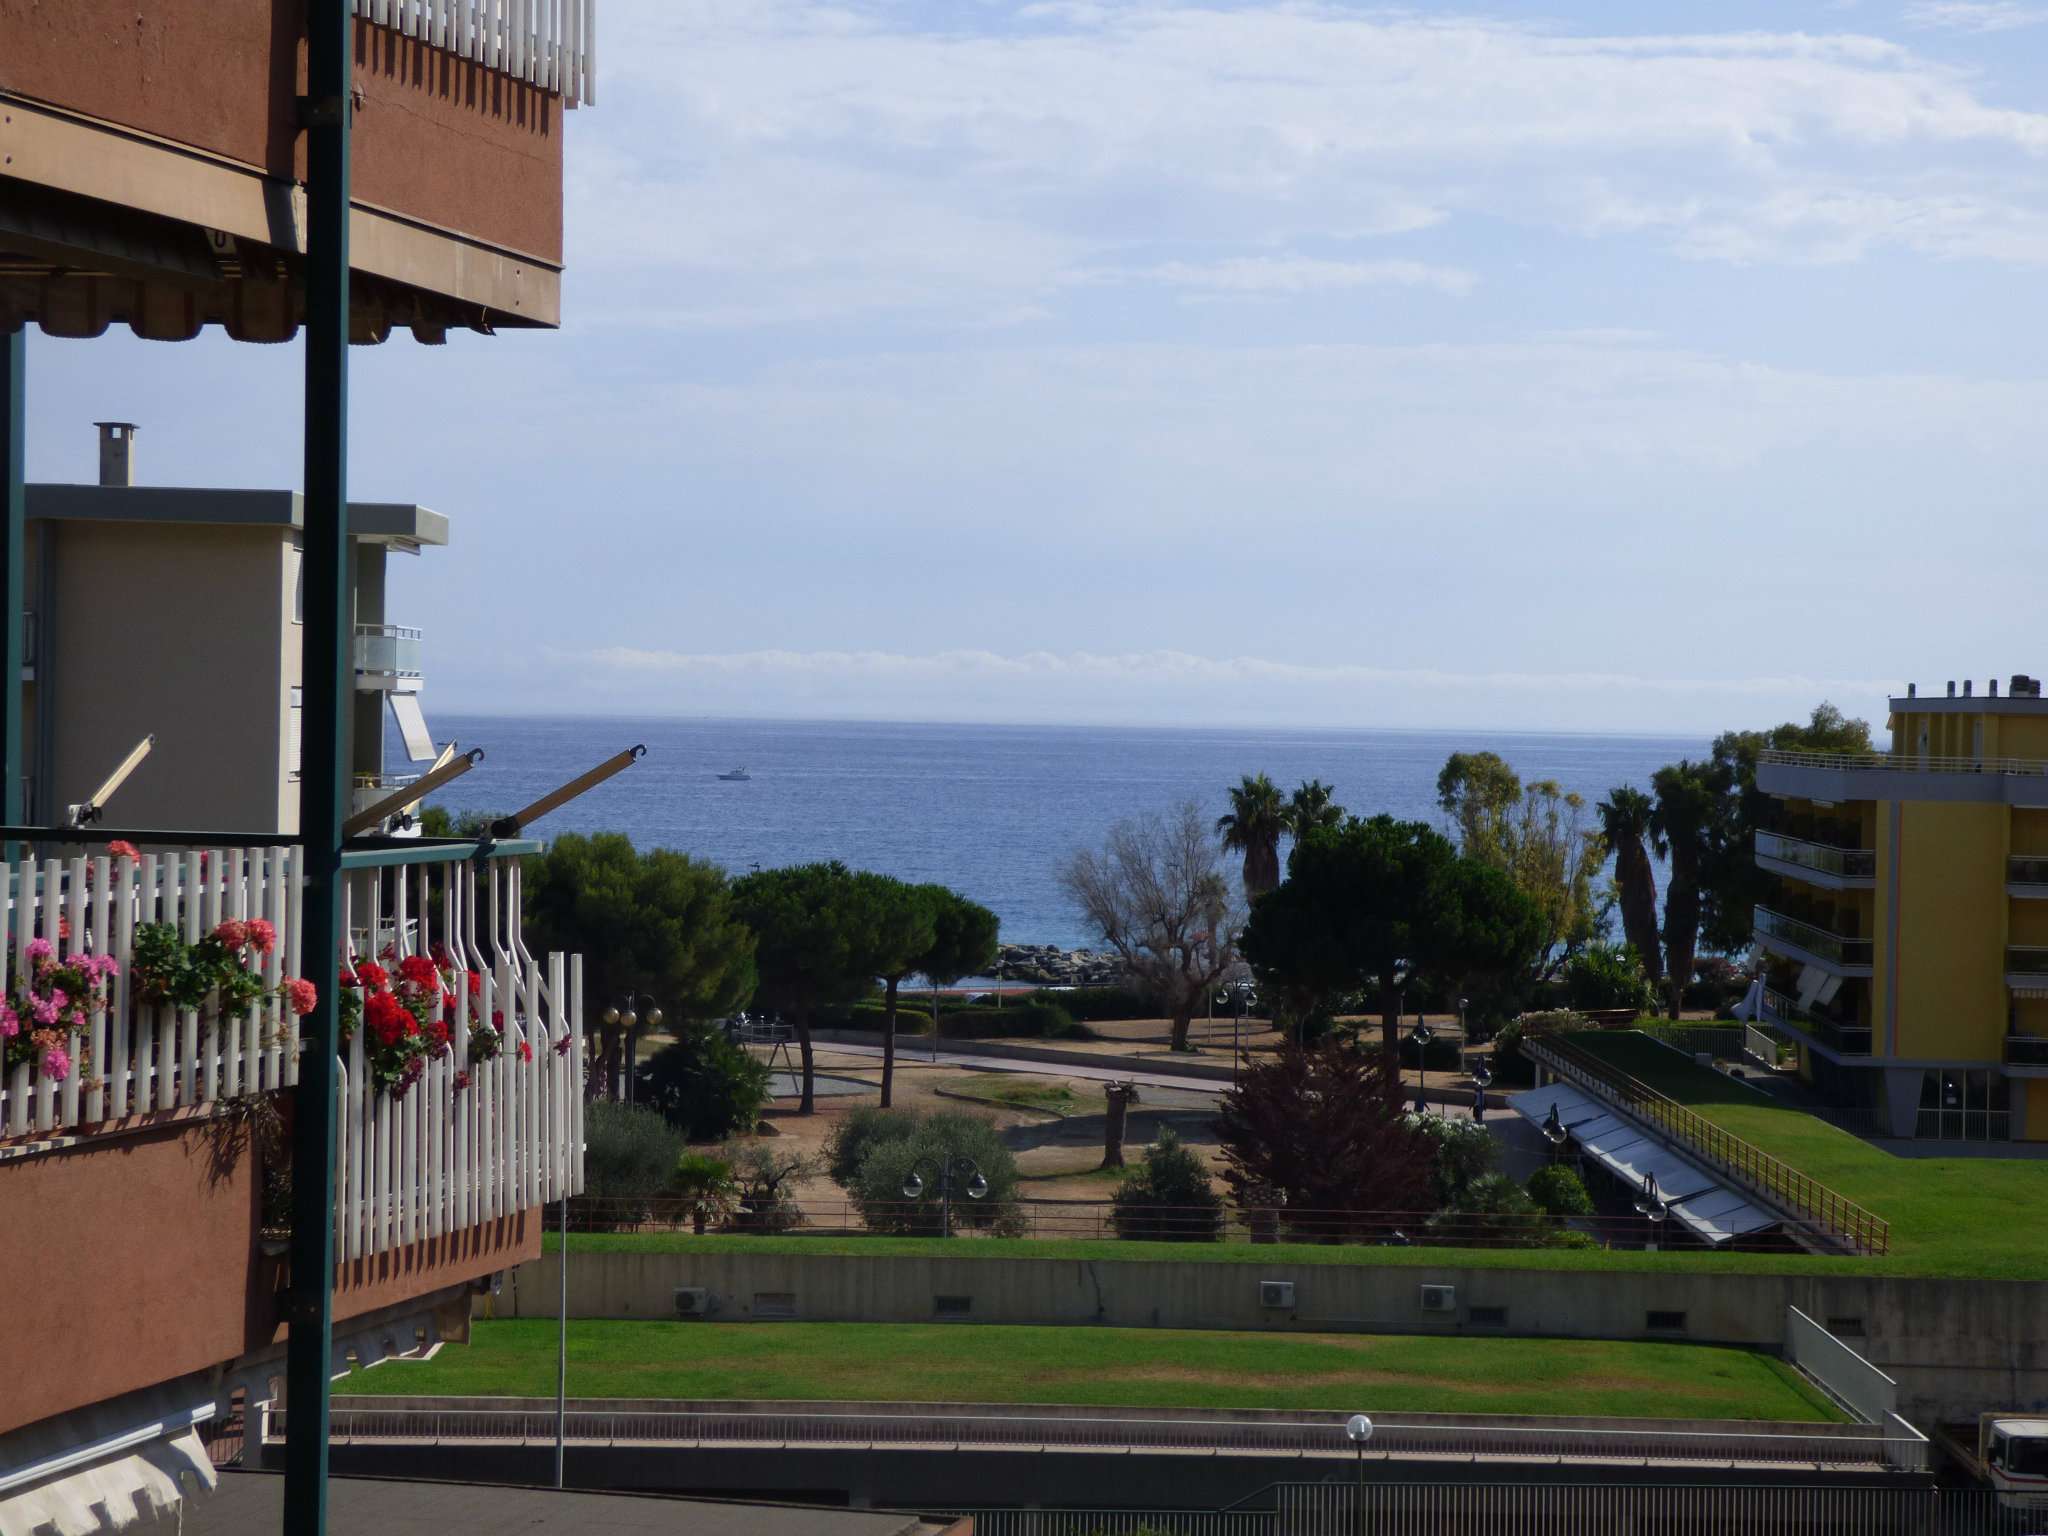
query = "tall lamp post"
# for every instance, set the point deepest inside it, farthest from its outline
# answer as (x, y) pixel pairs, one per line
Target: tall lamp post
(624, 1014)
(1652, 1207)
(975, 1188)
(1482, 1079)
(1554, 1131)
(1422, 1034)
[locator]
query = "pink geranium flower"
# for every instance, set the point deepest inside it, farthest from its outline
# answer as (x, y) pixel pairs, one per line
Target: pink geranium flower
(120, 848)
(232, 934)
(56, 1063)
(10, 1022)
(39, 950)
(261, 935)
(301, 995)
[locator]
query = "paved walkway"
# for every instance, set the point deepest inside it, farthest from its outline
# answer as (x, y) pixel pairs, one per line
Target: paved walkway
(252, 1504)
(1497, 1114)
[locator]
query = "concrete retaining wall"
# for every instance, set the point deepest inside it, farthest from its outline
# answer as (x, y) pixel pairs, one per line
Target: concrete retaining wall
(1955, 1346)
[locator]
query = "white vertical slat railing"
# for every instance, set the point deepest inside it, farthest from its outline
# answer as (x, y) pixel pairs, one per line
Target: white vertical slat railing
(548, 43)
(469, 1141)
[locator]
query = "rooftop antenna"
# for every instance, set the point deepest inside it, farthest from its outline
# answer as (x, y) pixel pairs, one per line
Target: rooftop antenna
(87, 811)
(519, 821)
(399, 805)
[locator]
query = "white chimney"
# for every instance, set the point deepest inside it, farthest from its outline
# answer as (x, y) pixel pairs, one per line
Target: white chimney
(117, 452)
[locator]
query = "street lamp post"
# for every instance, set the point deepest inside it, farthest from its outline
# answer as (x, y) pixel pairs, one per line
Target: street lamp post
(975, 1188)
(1422, 1034)
(624, 1013)
(1482, 1079)
(1554, 1131)
(1358, 1430)
(1653, 1207)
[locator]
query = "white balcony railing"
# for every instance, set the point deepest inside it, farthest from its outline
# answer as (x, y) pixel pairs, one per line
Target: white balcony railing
(467, 1139)
(548, 43)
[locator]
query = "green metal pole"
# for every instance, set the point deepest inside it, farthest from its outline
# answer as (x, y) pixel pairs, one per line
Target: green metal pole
(323, 779)
(13, 451)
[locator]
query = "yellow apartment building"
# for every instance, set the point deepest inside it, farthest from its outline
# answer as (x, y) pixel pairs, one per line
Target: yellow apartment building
(1906, 948)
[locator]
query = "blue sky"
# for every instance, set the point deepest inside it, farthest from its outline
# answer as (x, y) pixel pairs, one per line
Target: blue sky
(1573, 366)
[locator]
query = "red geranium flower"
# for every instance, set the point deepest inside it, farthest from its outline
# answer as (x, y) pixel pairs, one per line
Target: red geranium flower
(389, 1023)
(525, 1051)
(371, 974)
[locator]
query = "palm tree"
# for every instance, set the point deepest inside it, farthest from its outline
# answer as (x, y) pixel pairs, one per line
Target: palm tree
(1626, 819)
(1683, 818)
(1253, 827)
(1310, 808)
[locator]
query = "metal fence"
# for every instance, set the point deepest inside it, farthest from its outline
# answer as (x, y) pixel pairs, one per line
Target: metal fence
(1846, 1448)
(1835, 1216)
(1093, 1219)
(1849, 1378)
(1512, 1509)
(1120, 1522)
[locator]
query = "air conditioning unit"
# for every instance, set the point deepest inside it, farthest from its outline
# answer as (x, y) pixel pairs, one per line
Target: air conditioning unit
(1277, 1294)
(692, 1301)
(1439, 1298)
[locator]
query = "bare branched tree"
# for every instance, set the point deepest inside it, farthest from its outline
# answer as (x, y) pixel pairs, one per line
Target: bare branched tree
(1158, 896)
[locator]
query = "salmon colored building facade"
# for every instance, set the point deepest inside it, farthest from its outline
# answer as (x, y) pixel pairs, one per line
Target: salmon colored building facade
(354, 169)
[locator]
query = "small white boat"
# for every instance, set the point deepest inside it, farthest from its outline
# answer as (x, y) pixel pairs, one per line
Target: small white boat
(737, 776)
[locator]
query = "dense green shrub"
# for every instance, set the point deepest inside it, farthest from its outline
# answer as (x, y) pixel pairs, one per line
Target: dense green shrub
(766, 1181)
(704, 1085)
(1443, 1054)
(1608, 976)
(1089, 1004)
(1462, 1153)
(859, 1130)
(1168, 1197)
(889, 1161)
(629, 1154)
(1560, 1191)
(705, 1186)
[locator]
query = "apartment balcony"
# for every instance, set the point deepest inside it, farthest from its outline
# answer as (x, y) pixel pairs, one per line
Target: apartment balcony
(388, 658)
(116, 173)
(1840, 778)
(1837, 954)
(2026, 876)
(146, 1118)
(2026, 968)
(1834, 1040)
(1817, 864)
(2026, 1055)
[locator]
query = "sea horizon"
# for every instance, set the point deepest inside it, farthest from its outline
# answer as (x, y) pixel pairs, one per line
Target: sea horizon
(990, 809)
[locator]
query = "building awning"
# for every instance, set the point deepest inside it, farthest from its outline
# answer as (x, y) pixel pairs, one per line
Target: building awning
(1698, 1199)
(412, 725)
(107, 1467)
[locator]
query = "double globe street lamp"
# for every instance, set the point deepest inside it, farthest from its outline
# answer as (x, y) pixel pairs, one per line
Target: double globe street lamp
(975, 1188)
(625, 1014)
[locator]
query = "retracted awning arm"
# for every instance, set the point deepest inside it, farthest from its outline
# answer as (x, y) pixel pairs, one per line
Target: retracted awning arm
(400, 802)
(519, 821)
(88, 810)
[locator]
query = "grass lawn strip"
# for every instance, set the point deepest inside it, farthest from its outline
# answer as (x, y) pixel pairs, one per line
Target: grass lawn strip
(1108, 1367)
(1948, 1215)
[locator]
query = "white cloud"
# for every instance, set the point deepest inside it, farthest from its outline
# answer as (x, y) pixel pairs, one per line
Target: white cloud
(1973, 15)
(1273, 276)
(1147, 668)
(796, 162)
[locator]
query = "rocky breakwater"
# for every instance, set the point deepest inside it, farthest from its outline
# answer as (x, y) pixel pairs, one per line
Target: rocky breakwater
(1050, 966)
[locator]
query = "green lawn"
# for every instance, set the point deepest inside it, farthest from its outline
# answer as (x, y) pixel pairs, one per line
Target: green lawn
(1104, 1367)
(1016, 1088)
(1949, 1215)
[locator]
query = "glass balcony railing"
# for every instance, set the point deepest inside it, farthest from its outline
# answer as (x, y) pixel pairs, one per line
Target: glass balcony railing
(1834, 948)
(2027, 960)
(1842, 1039)
(387, 651)
(1822, 858)
(373, 787)
(2027, 869)
(2026, 1051)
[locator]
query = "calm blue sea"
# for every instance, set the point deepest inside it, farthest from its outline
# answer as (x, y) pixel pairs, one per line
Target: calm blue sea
(988, 810)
